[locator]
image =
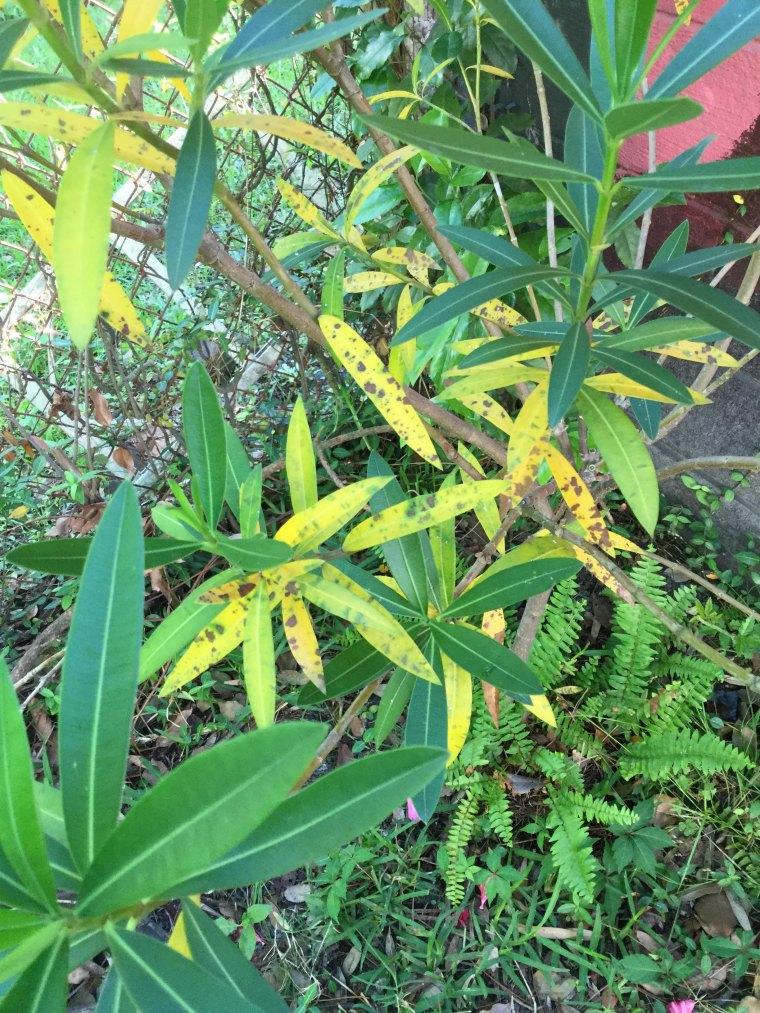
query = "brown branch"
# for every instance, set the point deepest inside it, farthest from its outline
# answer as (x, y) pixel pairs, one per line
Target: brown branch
(706, 463)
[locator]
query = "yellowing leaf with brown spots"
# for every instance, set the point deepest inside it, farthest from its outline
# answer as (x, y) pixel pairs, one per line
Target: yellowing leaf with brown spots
(305, 210)
(625, 544)
(401, 357)
(602, 574)
(480, 380)
(259, 671)
(300, 463)
(233, 590)
(291, 130)
(381, 388)
(374, 177)
(401, 651)
(137, 17)
(499, 313)
(334, 592)
(458, 683)
(307, 529)
(416, 263)
(302, 642)
(527, 445)
(696, 351)
(490, 410)
(92, 44)
(420, 513)
(487, 513)
(369, 281)
(37, 217)
(616, 383)
(578, 497)
(73, 128)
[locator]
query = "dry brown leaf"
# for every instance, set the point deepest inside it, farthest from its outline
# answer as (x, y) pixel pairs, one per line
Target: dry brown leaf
(160, 583)
(123, 459)
(100, 409)
(715, 915)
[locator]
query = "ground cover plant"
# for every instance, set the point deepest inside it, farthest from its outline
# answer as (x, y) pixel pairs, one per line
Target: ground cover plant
(448, 312)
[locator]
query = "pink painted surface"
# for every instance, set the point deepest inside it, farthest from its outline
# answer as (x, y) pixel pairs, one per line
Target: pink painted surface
(730, 95)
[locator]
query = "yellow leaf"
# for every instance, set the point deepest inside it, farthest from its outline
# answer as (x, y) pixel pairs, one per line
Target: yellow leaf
(420, 513)
(137, 17)
(490, 410)
(602, 574)
(540, 706)
(302, 642)
(487, 513)
(279, 577)
(305, 210)
(259, 670)
(92, 44)
(81, 232)
(579, 499)
(178, 939)
(384, 95)
(334, 592)
(625, 544)
(499, 313)
(495, 627)
(72, 128)
(527, 445)
(696, 351)
(616, 383)
(369, 281)
(291, 130)
(18, 512)
(307, 529)
(374, 177)
(38, 218)
(300, 464)
(481, 380)
(142, 117)
(417, 264)
(458, 706)
(175, 82)
(488, 68)
(379, 385)
(401, 357)
(401, 651)
(233, 590)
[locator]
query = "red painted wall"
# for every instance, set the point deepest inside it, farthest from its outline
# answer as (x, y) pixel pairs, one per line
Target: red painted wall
(730, 95)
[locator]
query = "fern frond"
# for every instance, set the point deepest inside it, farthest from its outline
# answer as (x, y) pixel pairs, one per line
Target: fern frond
(557, 636)
(499, 814)
(572, 854)
(460, 834)
(674, 752)
(596, 810)
(559, 768)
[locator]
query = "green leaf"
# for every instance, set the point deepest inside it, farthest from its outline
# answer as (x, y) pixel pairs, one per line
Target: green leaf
(217, 954)
(729, 175)
(50, 808)
(648, 415)
(511, 585)
(269, 24)
(568, 372)
(158, 978)
(43, 985)
(199, 811)
(145, 42)
(640, 117)
(633, 22)
(672, 247)
(181, 626)
(15, 961)
(139, 67)
(238, 470)
(583, 151)
(20, 831)
(356, 666)
(203, 428)
(66, 557)
(113, 997)
(396, 696)
(709, 304)
(639, 968)
(15, 926)
(332, 287)
(300, 463)
(502, 348)
(486, 659)
(282, 47)
(521, 161)
(733, 26)
(99, 681)
(534, 32)
(191, 198)
(12, 890)
(470, 294)
(259, 671)
(427, 725)
(404, 556)
(11, 31)
(202, 18)
(255, 553)
(81, 232)
(645, 371)
(383, 595)
(315, 821)
(71, 16)
(602, 26)
(250, 503)
(664, 331)
(18, 80)
(624, 454)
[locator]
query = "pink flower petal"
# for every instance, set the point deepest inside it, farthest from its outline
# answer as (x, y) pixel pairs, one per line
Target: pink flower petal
(483, 898)
(464, 917)
(682, 1006)
(411, 811)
